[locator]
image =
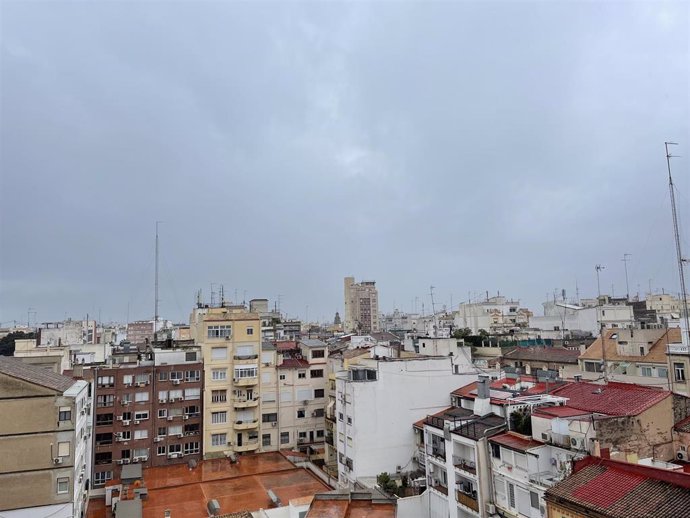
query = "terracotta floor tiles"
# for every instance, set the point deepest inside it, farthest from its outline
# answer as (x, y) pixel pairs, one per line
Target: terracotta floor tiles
(328, 508)
(368, 510)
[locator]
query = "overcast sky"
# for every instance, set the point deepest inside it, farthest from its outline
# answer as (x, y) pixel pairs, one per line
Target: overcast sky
(473, 146)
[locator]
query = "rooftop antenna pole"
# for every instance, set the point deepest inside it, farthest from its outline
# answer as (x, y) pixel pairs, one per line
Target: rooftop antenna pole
(676, 233)
(433, 309)
(625, 263)
(155, 312)
(598, 269)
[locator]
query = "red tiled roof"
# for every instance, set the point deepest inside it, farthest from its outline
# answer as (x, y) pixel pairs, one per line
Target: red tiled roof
(558, 411)
(683, 426)
(543, 354)
(470, 391)
(292, 363)
(621, 490)
(286, 346)
(611, 399)
(515, 441)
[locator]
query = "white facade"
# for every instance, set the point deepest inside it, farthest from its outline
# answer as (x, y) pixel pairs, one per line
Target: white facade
(376, 402)
(82, 444)
(562, 317)
(494, 315)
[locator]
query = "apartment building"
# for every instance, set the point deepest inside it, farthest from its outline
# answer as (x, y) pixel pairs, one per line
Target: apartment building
(496, 315)
(376, 399)
(293, 396)
(148, 409)
(361, 306)
(45, 442)
(230, 338)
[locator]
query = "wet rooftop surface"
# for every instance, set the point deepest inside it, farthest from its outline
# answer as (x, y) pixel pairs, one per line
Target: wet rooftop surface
(236, 487)
(353, 509)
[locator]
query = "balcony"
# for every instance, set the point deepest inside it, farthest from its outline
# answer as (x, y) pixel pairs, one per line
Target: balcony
(465, 465)
(246, 403)
(244, 382)
(545, 478)
(241, 358)
(468, 501)
(329, 439)
(249, 446)
(246, 425)
(437, 453)
(440, 489)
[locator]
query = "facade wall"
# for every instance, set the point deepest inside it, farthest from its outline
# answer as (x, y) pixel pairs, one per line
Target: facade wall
(373, 429)
(361, 306)
(231, 344)
(558, 511)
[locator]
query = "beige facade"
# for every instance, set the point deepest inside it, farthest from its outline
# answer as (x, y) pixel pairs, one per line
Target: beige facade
(361, 306)
(293, 395)
(44, 441)
(230, 337)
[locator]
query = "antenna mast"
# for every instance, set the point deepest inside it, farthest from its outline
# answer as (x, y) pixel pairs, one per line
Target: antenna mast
(155, 312)
(676, 233)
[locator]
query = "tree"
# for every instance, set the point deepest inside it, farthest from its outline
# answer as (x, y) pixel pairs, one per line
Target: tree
(7, 342)
(386, 483)
(462, 333)
(521, 422)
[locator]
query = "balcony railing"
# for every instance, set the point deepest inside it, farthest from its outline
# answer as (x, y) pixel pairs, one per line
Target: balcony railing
(544, 478)
(465, 465)
(246, 425)
(441, 489)
(247, 446)
(242, 382)
(468, 501)
(246, 403)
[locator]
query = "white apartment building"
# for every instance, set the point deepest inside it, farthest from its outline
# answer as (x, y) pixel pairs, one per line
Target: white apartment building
(496, 315)
(561, 318)
(230, 338)
(376, 399)
(361, 306)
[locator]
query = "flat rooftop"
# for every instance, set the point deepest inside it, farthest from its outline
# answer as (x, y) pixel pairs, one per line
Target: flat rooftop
(237, 487)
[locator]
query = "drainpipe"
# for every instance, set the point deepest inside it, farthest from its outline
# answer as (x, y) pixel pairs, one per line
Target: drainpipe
(488, 451)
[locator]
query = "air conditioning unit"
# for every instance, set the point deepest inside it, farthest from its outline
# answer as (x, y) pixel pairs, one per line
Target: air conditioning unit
(577, 442)
(126, 461)
(490, 508)
(229, 443)
(125, 422)
(176, 382)
(545, 436)
(267, 364)
(128, 384)
(274, 424)
(57, 460)
(120, 461)
(170, 418)
(682, 455)
(162, 400)
(180, 435)
(185, 417)
(81, 477)
(235, 380)
(119, 418)
(137, 422)
(227, 338)
(157, 439)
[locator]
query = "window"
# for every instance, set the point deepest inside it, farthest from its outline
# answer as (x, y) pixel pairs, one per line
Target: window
(141, 434)
(646, 370)
(302, 435)
(219, 396)
(250, 330)
(340, 416)
(319, 433)
(594, 367)
(160, 450)
(318, 393)
(162, 431)
(192, 410)
(190, 356)
(495, 451)
(175, 375)
(282, 376)
(144, 414)
(104, 400)
(319, 412)
(219, 417)
(679, 371)
(304, 394)
(63, 449)
(175, 394)
(246, 371)
(349, 419)
(127, 379)
(219, 353)
(269, 397)
(162, 396)
(105, 381)
(104, 419)
(534, 499)
(162, 376)
(192, 376)
(219, 331)
(126, 416)
(219, 374)
(191, 448)
(642, 351)
(269, 418)
(316, 373)
(175, 430)
(302, 374)
(126, 399)
(101, 477)
(141, 396)
(141, 452)
(162, 413)
(266, 439)
(318, 353)
(219, 439)
(300, 413)
(174, 448)
(194, 393)
(662, 372)
(284, 437)
(104, 438)
(141, 378)
(265, 378)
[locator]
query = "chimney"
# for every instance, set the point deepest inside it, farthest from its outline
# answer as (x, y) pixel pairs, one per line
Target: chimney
(482, 403)
(578, 377)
